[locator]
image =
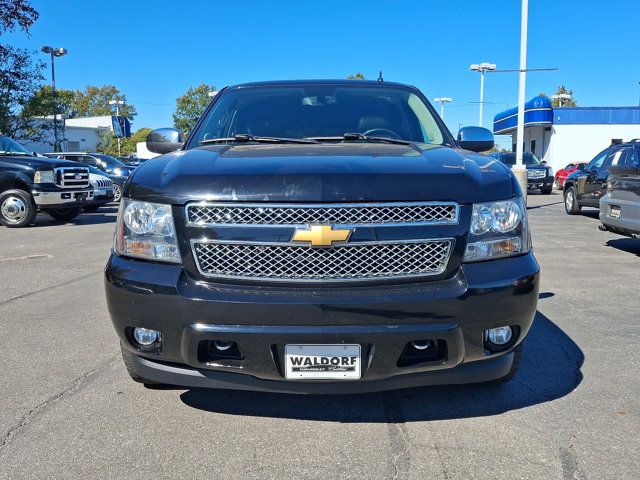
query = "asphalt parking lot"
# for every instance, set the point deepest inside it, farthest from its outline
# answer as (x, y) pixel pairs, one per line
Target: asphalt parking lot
(69, 410)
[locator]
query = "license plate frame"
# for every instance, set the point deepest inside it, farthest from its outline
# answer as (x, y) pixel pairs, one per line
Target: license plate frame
(615, 211)
(305, 361)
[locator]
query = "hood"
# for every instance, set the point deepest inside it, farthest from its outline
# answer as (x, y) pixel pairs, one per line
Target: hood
(344, 172)
(38, 163)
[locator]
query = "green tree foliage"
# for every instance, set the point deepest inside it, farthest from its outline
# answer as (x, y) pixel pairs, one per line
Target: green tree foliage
(566, 102)
(42, 102)
(109, 144)
(16, 14)
(20, 75)
(357, 76)
(190, 106)
(93, 101)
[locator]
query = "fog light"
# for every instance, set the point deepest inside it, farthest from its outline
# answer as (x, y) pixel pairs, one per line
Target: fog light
(145, 337)
(500, 335)
(223, 345)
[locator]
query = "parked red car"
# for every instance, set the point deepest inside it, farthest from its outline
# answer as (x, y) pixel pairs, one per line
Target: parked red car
(562, 174)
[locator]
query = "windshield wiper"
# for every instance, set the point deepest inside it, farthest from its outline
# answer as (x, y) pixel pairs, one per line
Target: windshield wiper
(14, 153)
(360, 137)
(246, 138)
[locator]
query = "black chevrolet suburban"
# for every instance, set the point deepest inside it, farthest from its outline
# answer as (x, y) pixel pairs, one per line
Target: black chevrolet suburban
(29, 184)
(321, 237)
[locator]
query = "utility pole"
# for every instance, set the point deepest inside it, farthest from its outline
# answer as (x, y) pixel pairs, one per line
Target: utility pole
(442, 101)
(55, 52)
(482, 67)
(519, 169)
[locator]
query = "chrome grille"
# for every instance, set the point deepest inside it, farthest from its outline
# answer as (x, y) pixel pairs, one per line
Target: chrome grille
(72, 177)
(355, 261)
(536, 173)
(335, 214)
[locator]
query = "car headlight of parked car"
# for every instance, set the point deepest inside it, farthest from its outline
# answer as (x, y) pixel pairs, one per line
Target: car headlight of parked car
(44, 176)
(146, 230)
(498, 229)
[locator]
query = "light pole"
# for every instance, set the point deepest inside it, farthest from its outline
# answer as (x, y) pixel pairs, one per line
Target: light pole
(442, 101)
(560, 97)
(482, 67)
(54, 52)
(117, 103)
(519, 169)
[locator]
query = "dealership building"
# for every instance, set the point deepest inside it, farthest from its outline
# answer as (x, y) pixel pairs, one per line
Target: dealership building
(560, 135)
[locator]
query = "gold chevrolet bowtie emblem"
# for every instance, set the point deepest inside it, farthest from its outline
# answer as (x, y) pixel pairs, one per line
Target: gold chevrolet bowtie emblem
(321, 235)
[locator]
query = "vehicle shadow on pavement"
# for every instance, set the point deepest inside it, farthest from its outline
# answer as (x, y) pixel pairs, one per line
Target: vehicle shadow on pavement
(101, 216)
(550, 370)
(629, 245)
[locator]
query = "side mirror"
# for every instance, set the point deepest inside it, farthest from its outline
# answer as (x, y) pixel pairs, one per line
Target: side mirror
(164, 140)
(544, 162)
(476, 139)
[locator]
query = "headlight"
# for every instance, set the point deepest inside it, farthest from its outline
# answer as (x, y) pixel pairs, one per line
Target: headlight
(146, 230)
(498, 229)
(44, 176)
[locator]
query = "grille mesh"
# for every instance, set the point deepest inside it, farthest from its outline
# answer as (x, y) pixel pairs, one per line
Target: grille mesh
(345, 262)
(338, 215)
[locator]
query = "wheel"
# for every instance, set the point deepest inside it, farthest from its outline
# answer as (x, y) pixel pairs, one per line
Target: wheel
(65, 214)
(515, 366)
(91, 208)
(117, 193)
(546, 190)
(571, 205)
(127, 357)
(556, 183)
(17, 208)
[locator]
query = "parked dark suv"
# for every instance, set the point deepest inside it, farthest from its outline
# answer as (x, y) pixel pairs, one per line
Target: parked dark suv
(620, 206)
(321, 237)
(584, 188)
(539, 174)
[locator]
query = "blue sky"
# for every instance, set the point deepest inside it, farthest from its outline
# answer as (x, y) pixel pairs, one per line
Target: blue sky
(153, 51)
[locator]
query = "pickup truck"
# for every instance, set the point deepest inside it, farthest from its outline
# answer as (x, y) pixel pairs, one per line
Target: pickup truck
(29, 184)
(321, 237)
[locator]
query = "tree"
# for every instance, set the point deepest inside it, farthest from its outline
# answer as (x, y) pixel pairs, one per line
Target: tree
(566, 102)
(20, 75)
(41, 102)
(190, 106)
(94, 101)
(16, 14)
(357, 76)
(109, 143)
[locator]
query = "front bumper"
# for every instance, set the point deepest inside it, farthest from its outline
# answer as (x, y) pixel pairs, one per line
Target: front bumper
(102, 196)
(543, 182)
(262, 320)
(62, 198)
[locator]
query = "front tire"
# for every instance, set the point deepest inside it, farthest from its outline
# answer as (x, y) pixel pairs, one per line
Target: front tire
(556, 183)
(117, 193)
(65, 214)
(127, 357)
(546, 190)
(571, 205)
(17, 208)
(91, 208)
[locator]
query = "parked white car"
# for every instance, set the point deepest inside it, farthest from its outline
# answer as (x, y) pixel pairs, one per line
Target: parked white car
(103, 190)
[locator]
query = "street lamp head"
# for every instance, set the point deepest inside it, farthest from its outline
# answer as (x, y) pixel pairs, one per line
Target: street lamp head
(46, 49)
(475, 67)
(116, 102)
(488, 66)
(59, 52)
(443, 100)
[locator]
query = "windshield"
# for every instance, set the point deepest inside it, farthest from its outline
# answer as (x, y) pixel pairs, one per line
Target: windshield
(110, 161)
(319, 111)
(510, 158)
(10, 146)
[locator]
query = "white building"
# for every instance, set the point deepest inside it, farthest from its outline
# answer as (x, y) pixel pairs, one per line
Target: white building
(76, 134)
(560, 135)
